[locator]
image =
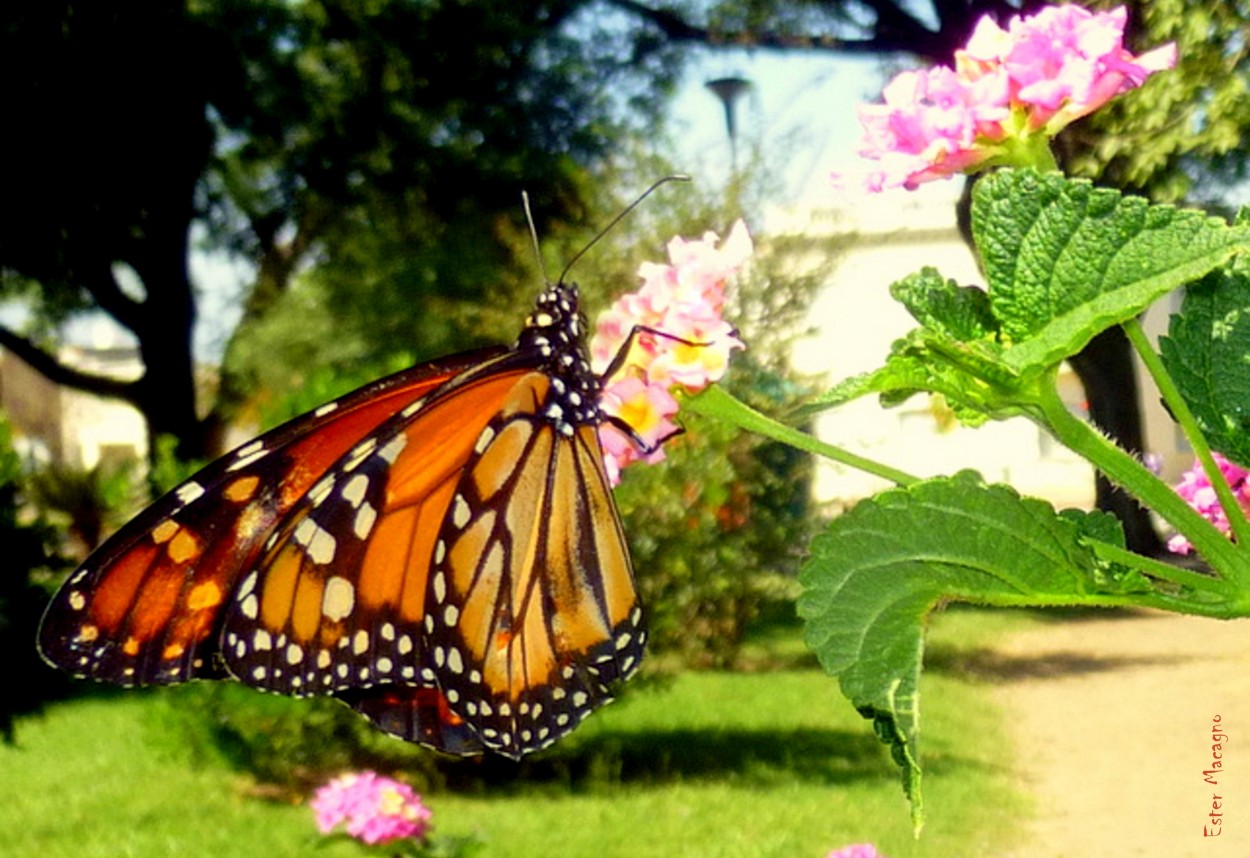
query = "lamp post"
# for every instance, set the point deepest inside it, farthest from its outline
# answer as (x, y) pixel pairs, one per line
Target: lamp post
(729, 90)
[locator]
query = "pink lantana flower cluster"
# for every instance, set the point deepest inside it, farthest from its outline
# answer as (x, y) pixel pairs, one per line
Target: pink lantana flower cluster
(1195, 487)
(684, 342)
(372, 808)
(1010, 91)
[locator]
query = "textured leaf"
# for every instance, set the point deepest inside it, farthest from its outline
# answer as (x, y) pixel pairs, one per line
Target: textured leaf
(960, 313)
(1207, 353)
(878, 570)
(956, 354)
(1066, 260)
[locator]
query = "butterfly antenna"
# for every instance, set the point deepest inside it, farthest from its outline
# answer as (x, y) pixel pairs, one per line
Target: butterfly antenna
(620, 217)
(529, 219)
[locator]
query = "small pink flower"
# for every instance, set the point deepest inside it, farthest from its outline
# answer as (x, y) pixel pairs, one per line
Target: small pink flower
(859, 850)
(1008, 86)
(1195, 487)
(646, 408)
(932, 125)
(678, 301)
(372, 808)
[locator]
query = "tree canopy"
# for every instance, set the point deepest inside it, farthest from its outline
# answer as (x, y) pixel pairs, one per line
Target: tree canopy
(290, 130)
(385, 145)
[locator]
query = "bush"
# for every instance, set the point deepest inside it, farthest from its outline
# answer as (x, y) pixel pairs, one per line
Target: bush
(710, 531)
(32, 563)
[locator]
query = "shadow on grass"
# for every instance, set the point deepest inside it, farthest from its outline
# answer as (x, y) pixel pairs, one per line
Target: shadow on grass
(743, 757)
(987, 665)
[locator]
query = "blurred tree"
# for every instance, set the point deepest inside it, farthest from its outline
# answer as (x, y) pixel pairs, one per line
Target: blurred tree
(294, 132)
(387, 143)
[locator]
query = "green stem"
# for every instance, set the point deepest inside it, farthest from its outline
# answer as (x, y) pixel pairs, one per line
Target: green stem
(1158, 569)
(1035, 152)
(1127, 472)
(1189, 425)
(715, 402)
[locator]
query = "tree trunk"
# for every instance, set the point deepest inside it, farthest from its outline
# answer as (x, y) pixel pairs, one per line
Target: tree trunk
(165, 394)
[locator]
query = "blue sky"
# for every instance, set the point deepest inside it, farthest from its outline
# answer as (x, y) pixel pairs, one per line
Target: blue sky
(801, 106)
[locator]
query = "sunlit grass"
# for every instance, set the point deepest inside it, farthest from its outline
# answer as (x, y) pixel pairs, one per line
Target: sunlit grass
(766, 763)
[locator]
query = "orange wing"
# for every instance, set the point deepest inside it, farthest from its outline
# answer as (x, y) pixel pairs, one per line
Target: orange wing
(533, 611)
(439, 549)
(147, 606)
(337, 598)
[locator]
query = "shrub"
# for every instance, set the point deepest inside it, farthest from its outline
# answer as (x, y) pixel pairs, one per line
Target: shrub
(32, 563)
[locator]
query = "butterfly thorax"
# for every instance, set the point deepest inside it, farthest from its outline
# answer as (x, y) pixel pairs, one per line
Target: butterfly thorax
(555, 334)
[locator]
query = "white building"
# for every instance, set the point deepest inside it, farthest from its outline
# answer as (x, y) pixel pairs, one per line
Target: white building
(855, 319)
(79, 430)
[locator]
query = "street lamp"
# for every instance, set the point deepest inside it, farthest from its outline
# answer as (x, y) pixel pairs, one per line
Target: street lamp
(729, 90)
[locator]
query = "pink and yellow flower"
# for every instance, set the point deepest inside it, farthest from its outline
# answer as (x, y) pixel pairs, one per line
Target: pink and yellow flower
(682, 342)
(372, 808)
(1011, 90)
(1195, 487)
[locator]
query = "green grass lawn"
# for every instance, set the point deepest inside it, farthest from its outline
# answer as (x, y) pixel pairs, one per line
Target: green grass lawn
(771, 762)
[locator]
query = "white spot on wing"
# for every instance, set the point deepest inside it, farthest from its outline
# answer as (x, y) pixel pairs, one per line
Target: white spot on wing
(245, 455)
(393, 448)
(355, 490)
(249, 606)
(188, 492)
(460, 513)
(338, 599)
(483, 440)
(455, 663)
(366, 517)
(362, 451)
(321, 490)
(318, 542)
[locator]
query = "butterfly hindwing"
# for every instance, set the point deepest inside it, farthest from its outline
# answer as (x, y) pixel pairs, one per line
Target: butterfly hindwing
(415, 714)
(532, 607)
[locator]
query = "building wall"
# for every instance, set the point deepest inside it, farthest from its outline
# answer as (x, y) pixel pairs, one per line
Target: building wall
(53, 423)
(854, 321)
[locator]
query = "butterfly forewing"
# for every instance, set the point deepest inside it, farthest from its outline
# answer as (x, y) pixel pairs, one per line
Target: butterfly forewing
(338, 598)
(147, 606)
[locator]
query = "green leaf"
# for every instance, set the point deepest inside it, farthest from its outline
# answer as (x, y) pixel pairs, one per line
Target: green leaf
(1207, 353)
(878, 570)
(956, 354)
(958, 313)
(1066, 260)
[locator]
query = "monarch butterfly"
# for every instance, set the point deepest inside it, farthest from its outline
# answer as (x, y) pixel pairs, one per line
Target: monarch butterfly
(439, 549)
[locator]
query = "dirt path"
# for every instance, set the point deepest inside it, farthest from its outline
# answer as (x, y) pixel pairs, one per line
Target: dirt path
(1113, 719)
